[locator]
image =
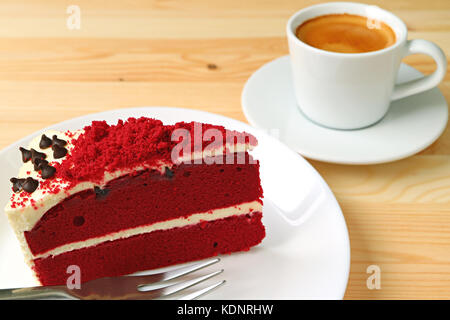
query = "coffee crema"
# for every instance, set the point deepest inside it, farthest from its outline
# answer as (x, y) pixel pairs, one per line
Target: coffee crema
(346, 33)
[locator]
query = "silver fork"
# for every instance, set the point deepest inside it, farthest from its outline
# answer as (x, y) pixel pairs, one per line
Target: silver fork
(134, 286)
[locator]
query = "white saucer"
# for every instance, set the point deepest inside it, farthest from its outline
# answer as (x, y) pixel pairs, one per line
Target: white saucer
(411, 125)
(306, 252)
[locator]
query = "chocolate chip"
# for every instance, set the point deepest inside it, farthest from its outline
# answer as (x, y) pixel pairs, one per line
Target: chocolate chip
(100, 193)
(59, 142)
(39, 163)
(37, 155)
(211, 66)
(186, 173)
(46, 142)
(47, 171)
(78, 221)
(169, 173)
(30, 185)
(17, 184)
(58, 151)
(26, 154)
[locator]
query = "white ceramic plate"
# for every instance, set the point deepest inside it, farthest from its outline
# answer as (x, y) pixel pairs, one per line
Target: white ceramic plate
(411, 125)
(306, 253)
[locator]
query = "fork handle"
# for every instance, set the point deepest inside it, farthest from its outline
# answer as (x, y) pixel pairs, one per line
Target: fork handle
(32, 293)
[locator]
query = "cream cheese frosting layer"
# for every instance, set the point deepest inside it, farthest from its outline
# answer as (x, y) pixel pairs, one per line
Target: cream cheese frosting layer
(25, 210)
(236, 210)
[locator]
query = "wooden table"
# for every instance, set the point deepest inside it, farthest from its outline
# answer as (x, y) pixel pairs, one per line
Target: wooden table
(198, 54)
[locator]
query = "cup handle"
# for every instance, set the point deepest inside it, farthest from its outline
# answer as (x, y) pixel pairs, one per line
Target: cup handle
(415, 86)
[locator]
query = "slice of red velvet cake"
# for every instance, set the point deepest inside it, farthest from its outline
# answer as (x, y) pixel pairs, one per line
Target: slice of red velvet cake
(138, 195)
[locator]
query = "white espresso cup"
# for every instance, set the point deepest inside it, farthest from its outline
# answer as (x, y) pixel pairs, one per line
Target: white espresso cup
(354, 90)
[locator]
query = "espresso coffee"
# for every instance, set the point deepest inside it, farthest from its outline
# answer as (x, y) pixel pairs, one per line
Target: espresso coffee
(346, 33)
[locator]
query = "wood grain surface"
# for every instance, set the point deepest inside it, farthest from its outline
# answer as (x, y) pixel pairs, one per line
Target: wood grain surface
(198, 54)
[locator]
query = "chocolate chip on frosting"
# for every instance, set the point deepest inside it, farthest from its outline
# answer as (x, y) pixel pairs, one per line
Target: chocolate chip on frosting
(47, 171)
(169, 173)
(30, 185)
(17, 184)
(100, 193)
(58, 151)
(37, 155)
(26, 154)
(58, 142)
(39, 163)
(45, 142)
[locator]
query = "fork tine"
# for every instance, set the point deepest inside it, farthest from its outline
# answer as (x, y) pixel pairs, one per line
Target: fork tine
(197, 294)
(204, 263)
(189, 269)
(174, 288)
(139, 279)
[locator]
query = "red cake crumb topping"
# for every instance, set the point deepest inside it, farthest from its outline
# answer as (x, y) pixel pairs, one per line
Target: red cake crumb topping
(128, 144)
(50, 186)
(19, 199)
(103, 147)
(69, 134)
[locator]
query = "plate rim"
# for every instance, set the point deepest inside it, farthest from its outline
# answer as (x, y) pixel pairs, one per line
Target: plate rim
(316, 156)
(257, 130)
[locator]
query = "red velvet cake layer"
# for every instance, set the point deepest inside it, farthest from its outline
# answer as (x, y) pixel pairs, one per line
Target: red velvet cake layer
(155, 249)
(145, 198)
